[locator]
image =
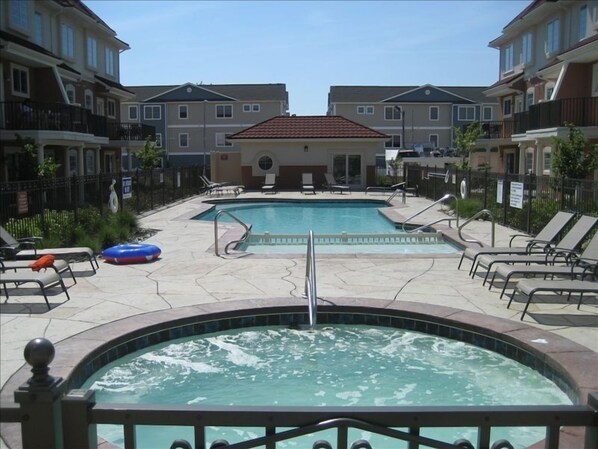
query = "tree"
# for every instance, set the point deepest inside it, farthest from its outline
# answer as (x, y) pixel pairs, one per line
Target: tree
(570, 158)
(466, 139)
(30, 167)
(149, 156)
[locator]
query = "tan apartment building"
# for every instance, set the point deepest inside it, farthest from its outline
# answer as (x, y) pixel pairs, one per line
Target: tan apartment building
(548, 75)
(193, 121)
(60, 86)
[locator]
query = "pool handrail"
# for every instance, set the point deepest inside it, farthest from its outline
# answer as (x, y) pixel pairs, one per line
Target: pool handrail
(242, 239)
(479, 214)
(444, 198)
(310, 280)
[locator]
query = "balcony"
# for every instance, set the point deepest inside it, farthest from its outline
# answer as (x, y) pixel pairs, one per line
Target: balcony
(42, 116)
(552, 114)
(496, 129)
(130, 131)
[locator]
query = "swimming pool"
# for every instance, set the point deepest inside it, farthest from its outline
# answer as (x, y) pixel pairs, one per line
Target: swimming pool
(364, 227)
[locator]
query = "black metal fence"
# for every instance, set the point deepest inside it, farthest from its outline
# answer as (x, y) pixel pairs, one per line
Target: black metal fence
(34, 203)
(523, 202)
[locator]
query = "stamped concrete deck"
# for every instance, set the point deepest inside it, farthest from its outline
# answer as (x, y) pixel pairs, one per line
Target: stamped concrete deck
(189, 274)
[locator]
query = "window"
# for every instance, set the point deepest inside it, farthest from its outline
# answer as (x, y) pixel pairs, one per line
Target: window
(158, 140)
(88, 99)
(508, 58)
(133, 112)
(519, 104)
(111, 106)
(487, 113)
(265, 163)
(251, 108)
(38, 23)
(221, 140)
(583, 22)
(70, 93)
(90, 162)
(367, 110)
(152, 112)
(553, 36)
(546, 160)
(549, 91)
(466, 113)
(19, 14)
(92, 52)
(434, 112)
(529, 98)
(392, 113)
(109, 62)
(20, 81)
(183, 140)
(224, 111)
(100, 106)
(506, 107)
(529, 161)
(68, 41)
(434, 140)
(394, 142)
(526, 48)
(183, 111)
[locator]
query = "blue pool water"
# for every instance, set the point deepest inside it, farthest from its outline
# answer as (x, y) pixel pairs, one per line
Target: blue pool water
(344, 365)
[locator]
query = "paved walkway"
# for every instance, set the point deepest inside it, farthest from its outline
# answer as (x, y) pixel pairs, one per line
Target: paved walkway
(189, 273)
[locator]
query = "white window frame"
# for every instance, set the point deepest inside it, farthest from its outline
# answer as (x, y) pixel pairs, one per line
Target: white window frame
(529, 161)
(365, 110)
(518, 104)
(67, 39)
(222, 111)
(484, 109)
(185, 108)
(181, 137)
(464, 110)
(158, 140)
(553, 36)
(394, 113)
(71, 93)
(507, 111)
(394, 142)
(23, 78)
(437, 109)
(133, 107)
(221, 140)
(530, 93)
(583, 22)
(88, 99)
(546, 160)
(100, 107)
(153, 108)
(527, 49)
(19, 14)
(92, 52)
(433, 139)
(38, 28)
(508, 58)
(111, 108)
(109, 57)
(549, 90)
(251, 107)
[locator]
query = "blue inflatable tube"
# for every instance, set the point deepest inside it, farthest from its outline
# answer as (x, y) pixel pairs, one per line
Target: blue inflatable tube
(131, 253)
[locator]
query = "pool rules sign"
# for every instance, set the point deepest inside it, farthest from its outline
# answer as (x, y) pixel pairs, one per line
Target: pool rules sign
(127, 187)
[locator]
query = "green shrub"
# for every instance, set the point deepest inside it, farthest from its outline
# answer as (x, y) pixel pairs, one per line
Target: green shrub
(467, 207)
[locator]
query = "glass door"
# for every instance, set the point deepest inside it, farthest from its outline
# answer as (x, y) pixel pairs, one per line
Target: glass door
(346, 169)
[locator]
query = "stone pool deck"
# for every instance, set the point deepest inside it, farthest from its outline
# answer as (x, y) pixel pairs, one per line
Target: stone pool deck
(189, 274)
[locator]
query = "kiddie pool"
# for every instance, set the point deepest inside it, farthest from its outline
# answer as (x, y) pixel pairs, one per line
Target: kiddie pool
(131, 253)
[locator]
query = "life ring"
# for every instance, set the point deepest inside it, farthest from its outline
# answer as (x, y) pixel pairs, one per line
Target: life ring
(131, 253)
(113, 202)
(463, 189)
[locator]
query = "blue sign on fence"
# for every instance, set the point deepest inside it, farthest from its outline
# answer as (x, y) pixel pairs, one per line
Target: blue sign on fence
(127, 187)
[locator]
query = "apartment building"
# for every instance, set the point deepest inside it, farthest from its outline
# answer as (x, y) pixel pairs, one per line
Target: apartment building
(414, 115)
(60, 86)
(548, 60)
(193, 121)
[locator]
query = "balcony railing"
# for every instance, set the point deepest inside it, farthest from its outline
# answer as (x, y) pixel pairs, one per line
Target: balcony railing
(35, 115)
(130, 131)
(496, 129)
(552, 114)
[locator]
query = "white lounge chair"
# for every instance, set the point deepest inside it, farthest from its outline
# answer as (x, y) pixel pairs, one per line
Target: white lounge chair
(269, 183)
(307, 183)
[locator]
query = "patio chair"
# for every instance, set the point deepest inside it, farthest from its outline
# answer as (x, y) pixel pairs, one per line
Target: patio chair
(44, 280)
(307, 183)
(392, 188)
(529, 287)
(537, 244)
(269, 183)
(585, 264)
(59, 266)
(333, 186)
(562, 252)
(26, 249)
(211, 185)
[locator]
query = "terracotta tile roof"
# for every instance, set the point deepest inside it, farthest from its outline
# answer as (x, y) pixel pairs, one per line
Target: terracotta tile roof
(308, 127)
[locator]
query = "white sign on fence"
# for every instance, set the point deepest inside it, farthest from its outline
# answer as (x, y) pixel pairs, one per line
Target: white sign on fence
(127, 187)
(499, 184)
(516, 194)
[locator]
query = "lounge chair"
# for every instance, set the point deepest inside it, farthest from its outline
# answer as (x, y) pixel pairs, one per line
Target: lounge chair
(392, 188)
(586, 263)
(307, 183)
(59, 266)
(45, 280)
(529, 287)
(562, 252)
(333, 186)
(26, 249)
(234, 189)
(212, 185)
(534, 245)
(269, 183)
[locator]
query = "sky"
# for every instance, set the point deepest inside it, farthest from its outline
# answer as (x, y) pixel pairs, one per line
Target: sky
(309, 45)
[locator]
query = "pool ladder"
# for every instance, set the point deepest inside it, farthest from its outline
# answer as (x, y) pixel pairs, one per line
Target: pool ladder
(444, 198)
(310, 281)
(232, 242)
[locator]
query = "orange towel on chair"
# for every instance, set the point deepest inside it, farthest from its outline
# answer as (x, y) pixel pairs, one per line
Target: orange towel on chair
(43, 262)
